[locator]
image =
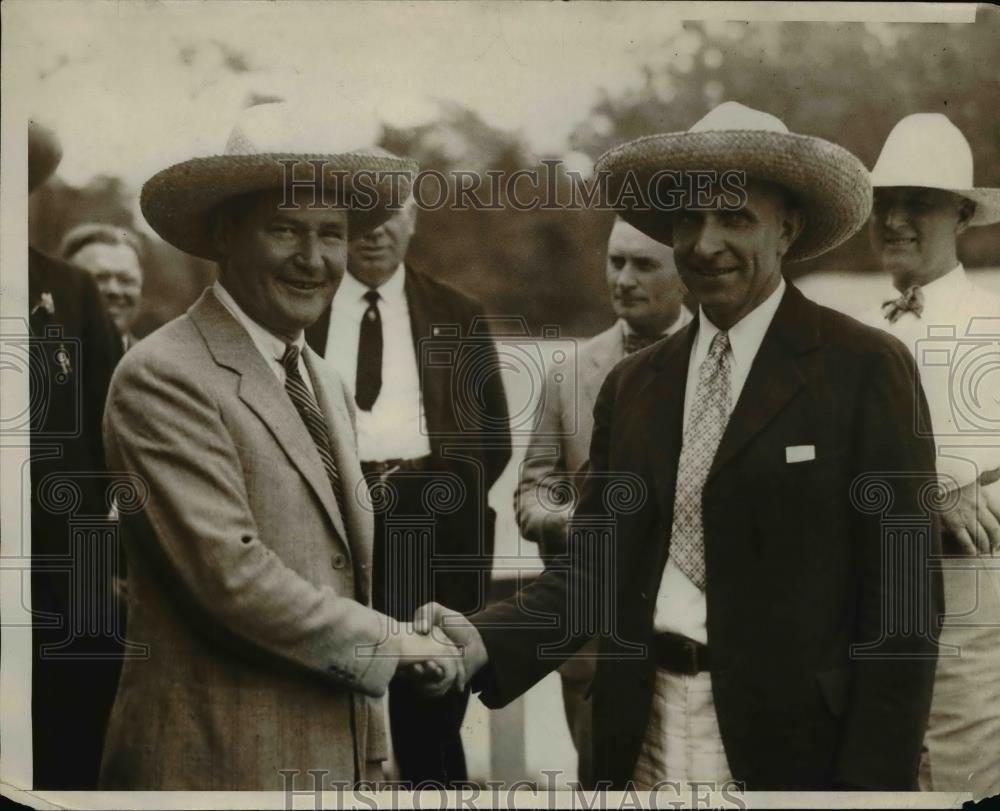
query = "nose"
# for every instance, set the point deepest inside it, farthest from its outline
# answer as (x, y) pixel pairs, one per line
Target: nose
(708, 241)
(113, 286)
(625, 280)
(309, 256)
(895, 215)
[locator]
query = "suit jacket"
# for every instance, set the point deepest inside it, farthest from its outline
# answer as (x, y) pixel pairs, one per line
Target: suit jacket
(245, 580)
(560, 444)
(794, 555)
(473, 443)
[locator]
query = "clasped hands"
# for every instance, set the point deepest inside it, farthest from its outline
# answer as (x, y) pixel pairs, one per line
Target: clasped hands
(437, 651)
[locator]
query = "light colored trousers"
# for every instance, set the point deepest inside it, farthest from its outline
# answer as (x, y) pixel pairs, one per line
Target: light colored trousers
(962, 744)
(682, 742)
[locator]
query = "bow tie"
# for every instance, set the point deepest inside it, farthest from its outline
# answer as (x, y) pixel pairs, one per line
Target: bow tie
(911, 301)
(633, 342)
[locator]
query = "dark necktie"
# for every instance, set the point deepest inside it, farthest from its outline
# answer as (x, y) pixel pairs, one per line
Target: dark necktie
(368, 382)
(633, 342)
(911, 301)
(306, 405)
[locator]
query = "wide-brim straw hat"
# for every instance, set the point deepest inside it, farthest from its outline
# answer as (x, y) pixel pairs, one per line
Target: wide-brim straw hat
(179, 202)
(926, 150)
(44, 154)
(829, 184)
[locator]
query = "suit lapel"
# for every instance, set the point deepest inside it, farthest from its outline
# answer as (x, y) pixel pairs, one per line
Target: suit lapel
(263, 394)
(775, 376)
(606, 350)
(432, 393)
(663, 407)
(330, 396)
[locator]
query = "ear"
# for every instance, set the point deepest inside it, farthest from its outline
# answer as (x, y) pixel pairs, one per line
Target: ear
(792, 223)
(966, 210)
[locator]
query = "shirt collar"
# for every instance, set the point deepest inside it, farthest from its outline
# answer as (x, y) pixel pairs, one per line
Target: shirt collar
(682, 320)
(745, 336)
(946, 288)
(269, 345)
(392, 290)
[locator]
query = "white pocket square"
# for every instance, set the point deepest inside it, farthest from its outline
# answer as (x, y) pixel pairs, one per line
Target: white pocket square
(800, 453)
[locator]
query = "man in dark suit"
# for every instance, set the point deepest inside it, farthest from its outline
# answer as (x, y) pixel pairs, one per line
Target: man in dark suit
(76, 635)
(762, 595)
(433, 438)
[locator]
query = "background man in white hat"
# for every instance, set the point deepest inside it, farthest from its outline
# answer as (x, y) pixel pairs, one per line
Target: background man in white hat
(924, 199)
(647, 296)
(733, 591)
(249, 564)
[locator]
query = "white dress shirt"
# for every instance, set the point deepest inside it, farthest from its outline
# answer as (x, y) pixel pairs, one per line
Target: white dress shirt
(680, 604)
(682, 320)
(270, 346)
(949, 367)
(395, 428)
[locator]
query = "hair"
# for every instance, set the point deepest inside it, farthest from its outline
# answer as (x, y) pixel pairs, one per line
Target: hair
(94, 233)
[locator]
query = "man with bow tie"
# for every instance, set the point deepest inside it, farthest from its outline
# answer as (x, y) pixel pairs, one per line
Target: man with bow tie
(924, 199)
(647, 296)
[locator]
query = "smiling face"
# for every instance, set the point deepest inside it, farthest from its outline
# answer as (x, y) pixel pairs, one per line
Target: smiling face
(282, 266)
(913, 232)
(118, 274)
(375, 255)
(730, 260)
(645, 287)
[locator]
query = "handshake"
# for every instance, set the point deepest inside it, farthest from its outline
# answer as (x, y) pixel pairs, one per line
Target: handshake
(439, 651)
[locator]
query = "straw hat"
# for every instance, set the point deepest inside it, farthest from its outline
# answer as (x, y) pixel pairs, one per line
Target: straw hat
(828, 182)
(928, 151)
(44, 154)
(178, 201)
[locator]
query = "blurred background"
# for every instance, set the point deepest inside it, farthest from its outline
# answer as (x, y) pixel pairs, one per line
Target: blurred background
(131, 88)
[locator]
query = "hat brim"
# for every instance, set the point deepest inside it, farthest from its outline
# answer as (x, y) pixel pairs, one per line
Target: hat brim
(179, 201)
(987, 200)
(829, 183)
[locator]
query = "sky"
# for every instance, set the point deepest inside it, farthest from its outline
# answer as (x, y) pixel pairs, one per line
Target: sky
(108, 78)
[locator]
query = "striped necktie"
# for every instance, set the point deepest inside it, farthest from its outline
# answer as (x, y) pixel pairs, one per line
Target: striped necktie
(306, 405)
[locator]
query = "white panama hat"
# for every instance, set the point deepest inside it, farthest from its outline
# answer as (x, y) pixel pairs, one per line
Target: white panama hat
(926, 150)
(178, 201)
(828, 182)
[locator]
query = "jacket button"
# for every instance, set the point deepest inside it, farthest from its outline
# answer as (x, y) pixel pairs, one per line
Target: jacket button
(338, 561)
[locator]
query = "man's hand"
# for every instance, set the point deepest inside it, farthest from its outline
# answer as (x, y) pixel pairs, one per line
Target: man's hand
(432, 660)
(975, 520)
(435, 620)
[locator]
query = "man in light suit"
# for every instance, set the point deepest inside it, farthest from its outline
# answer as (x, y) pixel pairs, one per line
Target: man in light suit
(647, 296)
(249, 571)
(925, 198)
(751, 587)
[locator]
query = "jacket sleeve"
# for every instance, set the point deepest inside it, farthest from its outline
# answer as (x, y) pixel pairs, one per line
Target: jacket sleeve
(895, 652)
(164, 427)
(543, 498)
(530, 634)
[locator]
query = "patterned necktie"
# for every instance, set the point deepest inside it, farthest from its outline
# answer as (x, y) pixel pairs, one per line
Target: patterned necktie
(633, 342)
(368, 380)
(706, 424)
(911, 301)
(306, 405)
